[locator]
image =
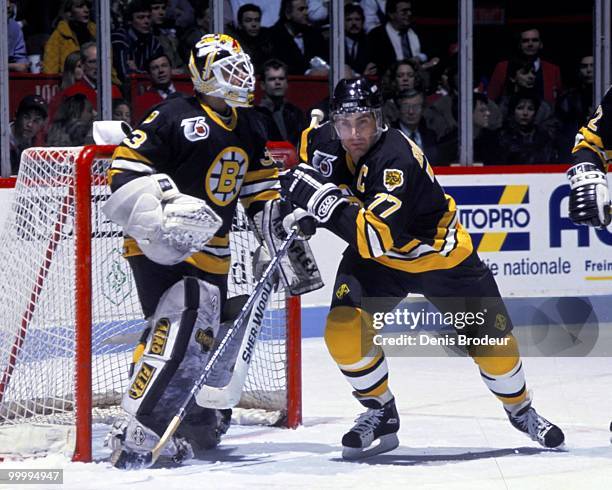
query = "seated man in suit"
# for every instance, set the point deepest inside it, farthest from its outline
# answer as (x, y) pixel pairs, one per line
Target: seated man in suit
(295, 42)
(395, 40)
(411, 104)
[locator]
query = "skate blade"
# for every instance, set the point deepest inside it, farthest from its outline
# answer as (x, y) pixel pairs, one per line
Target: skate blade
(385, 444)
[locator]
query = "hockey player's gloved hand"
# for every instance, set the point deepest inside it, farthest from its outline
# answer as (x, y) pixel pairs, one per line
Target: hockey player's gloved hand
(306, 223)
(308, 189)
(589, 202)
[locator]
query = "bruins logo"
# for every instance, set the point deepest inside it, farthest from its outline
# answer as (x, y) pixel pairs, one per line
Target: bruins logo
(393, 179)
(226, 174)
(342, 291)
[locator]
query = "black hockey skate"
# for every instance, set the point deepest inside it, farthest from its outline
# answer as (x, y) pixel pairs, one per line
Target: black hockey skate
(378, 426)
(527, 420)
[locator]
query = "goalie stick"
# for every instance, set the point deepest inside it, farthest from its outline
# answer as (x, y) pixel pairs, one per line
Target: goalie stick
(265, 283)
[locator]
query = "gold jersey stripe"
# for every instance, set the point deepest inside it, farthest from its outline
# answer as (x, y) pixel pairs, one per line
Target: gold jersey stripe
(110, 174)
(381, 227)
(215, 117)
(262, 196)
(129, 154)
(362, 244)
(210, 263)
(433, 261)
(304, 144)
(201, 260)
(409, 247)
(131, 248)
(264, 174)
(442, 229)
(591, 137)
(219, 241)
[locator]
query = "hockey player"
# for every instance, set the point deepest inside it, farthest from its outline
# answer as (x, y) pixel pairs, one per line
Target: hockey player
(589, 202)
(373, 187)
(175, 181)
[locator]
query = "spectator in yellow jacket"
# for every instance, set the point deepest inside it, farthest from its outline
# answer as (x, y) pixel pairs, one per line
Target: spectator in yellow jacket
(74, 30)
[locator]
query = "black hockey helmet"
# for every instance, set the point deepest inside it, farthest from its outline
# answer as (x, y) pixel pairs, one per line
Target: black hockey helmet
(355, 95)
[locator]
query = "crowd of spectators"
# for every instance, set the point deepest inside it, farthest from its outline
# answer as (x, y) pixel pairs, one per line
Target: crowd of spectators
(522, 112)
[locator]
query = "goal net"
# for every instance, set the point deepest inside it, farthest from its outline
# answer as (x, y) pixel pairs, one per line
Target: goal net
(70, 316)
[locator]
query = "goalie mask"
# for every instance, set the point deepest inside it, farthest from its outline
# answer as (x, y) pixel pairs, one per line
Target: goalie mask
(354, 97)
(220, 68)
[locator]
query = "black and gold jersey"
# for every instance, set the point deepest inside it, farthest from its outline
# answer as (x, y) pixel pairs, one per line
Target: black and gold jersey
(594, 140)
(217, 160)
(403, 219)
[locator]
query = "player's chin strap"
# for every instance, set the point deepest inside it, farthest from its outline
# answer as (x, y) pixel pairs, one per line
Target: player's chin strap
(257, 301)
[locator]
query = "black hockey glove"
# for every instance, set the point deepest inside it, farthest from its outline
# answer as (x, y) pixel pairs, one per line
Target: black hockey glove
(306, 188)
(589, 202)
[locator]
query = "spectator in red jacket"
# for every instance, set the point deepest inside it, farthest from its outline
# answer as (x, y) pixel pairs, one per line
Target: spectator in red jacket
(548, 75)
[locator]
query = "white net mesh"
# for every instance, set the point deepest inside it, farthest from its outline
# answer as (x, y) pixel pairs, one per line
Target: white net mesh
(38, 280)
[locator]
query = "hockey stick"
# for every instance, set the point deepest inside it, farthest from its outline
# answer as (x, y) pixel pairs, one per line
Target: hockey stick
(264, 284)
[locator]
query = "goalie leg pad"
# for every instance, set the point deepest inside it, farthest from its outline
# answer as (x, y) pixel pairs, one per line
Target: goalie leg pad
(184, 329)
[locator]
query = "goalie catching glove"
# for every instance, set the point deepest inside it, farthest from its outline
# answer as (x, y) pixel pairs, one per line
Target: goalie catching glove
(169, 226)
(589, 202)
(308, 189)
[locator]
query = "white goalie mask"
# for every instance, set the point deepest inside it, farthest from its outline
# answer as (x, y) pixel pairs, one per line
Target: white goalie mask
(220, 68)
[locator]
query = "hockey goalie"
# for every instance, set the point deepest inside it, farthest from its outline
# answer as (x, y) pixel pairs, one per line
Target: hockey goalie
(176, 180)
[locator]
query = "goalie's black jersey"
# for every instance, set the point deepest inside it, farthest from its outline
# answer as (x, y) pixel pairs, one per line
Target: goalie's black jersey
(594, 140)
(402, 217)
(209, 158)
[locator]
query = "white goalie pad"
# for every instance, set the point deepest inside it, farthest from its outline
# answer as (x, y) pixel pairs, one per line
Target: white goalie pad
(169, 226)
(183, 332)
